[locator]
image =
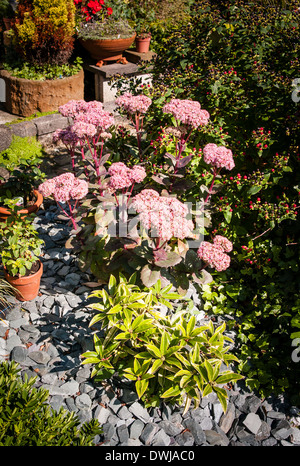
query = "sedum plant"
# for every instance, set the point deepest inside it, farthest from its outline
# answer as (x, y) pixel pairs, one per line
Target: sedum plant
(132, 221)
(26, 419)
(167, 357)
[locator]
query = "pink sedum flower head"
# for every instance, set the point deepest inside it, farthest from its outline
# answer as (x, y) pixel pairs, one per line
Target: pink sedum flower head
(118, 181)
(218, 156)
(101, 119)
(88, 113)
(145, 200)
(71, 108)
(119, 176)
(187, 112)
(138, 174)
(165, 217)
(93, 105)
(117, 168)
(123, 176)
(213, 256)
(66, 136)
(64, 187)
(105, 135)
(223, 243)
(134, 103)
(79, 189)
(47, 188)
(84, 130)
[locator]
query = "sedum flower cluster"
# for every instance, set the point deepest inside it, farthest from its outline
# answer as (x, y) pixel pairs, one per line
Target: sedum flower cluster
(64, 188)
(133, 104)
(214, 254)
(122, 176)
(165, 217)
(89, 120)
(187, 112)
(218, 156)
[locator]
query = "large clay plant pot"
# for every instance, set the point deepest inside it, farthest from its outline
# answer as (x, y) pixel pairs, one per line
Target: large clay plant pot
(105, 50)
(27, 287)
(25, 97)
(23, 212)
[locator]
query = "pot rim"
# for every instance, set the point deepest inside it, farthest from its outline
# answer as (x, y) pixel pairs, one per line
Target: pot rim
(26, 279)
(4, 74)
(109, 39)
(30, 209)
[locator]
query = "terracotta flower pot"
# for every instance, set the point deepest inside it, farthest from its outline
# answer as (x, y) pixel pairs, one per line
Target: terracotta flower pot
(142, 44)
(5, 212)
(27, 287)
(104, 50)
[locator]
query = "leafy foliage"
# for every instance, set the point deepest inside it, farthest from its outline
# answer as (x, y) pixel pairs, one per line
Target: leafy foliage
(22, 160)
(40, 72)
(26, 151)
(239, 59)
(20, 244)
(26, 418)
(44, 30)
(167, 357)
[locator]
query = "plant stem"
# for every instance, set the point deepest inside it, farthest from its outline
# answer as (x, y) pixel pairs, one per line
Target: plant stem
(83, 158)
(211, 186)
(137, 128)
(71, 212)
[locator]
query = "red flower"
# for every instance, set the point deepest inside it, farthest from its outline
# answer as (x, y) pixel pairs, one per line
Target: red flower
(77, 1)
(109, 11)
(92, 4)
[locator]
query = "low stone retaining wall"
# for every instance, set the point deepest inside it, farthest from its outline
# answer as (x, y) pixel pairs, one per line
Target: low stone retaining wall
(38, 127)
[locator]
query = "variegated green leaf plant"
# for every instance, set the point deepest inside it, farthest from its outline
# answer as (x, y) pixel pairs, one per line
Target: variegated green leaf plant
(168, 357)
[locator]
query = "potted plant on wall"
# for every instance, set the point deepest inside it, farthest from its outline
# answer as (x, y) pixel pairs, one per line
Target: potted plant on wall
(144, 16)
(142, 41)
(39, 72)
(20, 250)
(102, 33)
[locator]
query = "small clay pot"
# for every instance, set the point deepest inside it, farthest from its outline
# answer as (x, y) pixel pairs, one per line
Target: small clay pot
(28, 286)
(142, 44)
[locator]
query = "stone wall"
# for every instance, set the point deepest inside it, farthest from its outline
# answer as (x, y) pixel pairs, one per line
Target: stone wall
(40, 127)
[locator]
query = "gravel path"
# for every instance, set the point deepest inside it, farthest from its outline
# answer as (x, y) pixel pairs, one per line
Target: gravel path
(46, 337)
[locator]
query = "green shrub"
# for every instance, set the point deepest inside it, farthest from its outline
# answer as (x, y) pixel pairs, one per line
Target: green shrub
(27, 420)
(167, 357)
(22, 151)
(44, 31)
